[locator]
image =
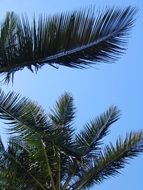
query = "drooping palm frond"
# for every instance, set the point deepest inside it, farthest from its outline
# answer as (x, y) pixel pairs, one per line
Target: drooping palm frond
(21, 114)
(111, 160)
(76, 40)
(89, 139)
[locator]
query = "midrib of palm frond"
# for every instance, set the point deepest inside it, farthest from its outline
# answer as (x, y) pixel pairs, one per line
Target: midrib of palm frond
(49, 171)
(111, 116)
(76, 50)
(52, 59)
(124, 149)
(98, 134)
(15, 118)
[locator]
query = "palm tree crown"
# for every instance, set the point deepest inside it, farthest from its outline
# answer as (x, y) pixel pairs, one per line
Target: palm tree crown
(47, 154)
(76, 39)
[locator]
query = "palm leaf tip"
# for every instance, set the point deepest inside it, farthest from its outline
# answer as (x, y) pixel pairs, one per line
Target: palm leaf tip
(111, 160)
(64, 111)
(89, 139)
(82, 38)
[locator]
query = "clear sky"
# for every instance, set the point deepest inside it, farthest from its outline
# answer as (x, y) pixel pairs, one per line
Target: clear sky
(94, 89)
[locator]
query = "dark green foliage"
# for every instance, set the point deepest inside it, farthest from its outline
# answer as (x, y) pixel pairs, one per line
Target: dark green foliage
(47, 154)
(77, 39)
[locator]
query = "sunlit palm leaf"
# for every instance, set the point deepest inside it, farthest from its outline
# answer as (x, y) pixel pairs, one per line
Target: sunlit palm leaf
(18, 160)
(76, 39)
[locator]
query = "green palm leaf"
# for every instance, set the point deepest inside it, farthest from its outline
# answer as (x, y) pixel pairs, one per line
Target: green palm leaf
(46, 153)
(30, 121)
(26, 119)
(7, 32)
(89, 139)
(64, 111)
(17, 158)
(21, 114)
(76, 40)
(111, 160)
(62, 119)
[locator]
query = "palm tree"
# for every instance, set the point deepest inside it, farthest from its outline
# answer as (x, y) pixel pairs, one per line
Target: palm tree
(45, 152)
(77, 39)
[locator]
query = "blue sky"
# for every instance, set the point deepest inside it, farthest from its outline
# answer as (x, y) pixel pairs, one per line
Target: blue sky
(94, 89)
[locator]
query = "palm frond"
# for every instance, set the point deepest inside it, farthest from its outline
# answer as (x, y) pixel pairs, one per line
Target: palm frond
(26, 119)
(2, 150)
(46, 154)
(7, 31)
(1, 146)
(22, 115)
(19, 161)
(62, 118)
(75, 40)
(9, 171)
(64, 111)
(89, 139)
(29, 121)
(111, 160)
